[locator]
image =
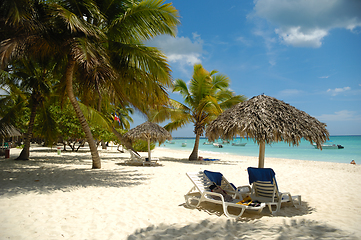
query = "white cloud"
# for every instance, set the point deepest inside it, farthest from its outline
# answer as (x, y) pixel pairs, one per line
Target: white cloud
(295, 37)
(343, 115)
(303, 23)
(182, 50)
(337, 91)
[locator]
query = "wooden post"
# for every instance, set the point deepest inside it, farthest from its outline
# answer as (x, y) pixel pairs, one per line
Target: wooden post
(262, 147)
(149, 153)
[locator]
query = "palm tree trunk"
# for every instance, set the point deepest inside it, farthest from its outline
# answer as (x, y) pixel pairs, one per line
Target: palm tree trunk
(104, 146)
(194, 154)
(25, 153)
(122, 139)
(79, 113)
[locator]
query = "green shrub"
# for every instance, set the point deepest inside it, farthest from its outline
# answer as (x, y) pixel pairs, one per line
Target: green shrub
(142, 146)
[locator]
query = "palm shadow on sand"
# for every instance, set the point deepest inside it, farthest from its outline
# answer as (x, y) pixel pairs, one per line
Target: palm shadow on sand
(50, 173)
(231, 229)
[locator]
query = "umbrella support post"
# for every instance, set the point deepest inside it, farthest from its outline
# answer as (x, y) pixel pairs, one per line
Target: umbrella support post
(149, 152)
(262, 148)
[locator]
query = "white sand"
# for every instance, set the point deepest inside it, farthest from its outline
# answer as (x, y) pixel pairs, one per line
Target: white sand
(61, 197)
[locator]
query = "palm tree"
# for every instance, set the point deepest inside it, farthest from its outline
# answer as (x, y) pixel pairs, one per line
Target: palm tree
(107, 49)
(33, 81)
(205, 98)
(36, 79)
(13, 111)
(46, 30)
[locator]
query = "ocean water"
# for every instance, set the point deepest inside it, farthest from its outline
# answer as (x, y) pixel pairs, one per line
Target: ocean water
(305, 151)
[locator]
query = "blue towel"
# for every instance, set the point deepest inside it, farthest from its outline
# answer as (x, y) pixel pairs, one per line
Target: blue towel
(260, 174)
(210, 159)
(216, 177)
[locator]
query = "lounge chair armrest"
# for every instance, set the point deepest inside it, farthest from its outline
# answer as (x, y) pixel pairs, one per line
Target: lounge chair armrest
(284, 194)
(244, 189)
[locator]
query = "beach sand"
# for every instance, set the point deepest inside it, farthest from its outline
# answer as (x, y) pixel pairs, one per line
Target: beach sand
(60, 197)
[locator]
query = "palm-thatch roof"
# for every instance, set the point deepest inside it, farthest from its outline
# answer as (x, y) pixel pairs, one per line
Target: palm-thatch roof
(149, 131)
(8, 130)
(267, 120)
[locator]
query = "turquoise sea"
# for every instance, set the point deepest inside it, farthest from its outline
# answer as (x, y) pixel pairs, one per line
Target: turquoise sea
(305, 151)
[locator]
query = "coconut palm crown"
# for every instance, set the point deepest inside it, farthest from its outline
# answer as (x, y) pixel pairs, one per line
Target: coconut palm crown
(207, 95)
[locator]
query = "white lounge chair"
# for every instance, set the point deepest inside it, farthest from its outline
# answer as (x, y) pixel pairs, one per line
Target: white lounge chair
(265, 189)
(201, 192)
(135, 158)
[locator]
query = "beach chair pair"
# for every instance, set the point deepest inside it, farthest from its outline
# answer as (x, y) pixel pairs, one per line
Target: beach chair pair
(264, 192)
(135, 158)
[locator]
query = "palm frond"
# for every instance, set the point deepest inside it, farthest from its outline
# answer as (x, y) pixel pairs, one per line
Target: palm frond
(76, 22)
(94, 117)
(174, 125)
(145, 20)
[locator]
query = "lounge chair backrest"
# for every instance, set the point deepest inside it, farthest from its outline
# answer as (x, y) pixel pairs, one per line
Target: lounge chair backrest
(265, 191)
(200, 181)
(264, 183)
(220, 180)
(134, 155)
(215, 177)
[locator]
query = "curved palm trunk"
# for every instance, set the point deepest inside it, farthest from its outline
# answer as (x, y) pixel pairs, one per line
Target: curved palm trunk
(79, 113)
(104, 146)
(194, 154)
(122, 139)
(25, 153)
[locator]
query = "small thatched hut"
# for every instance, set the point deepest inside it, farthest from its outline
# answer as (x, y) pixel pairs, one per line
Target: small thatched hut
(150, 132)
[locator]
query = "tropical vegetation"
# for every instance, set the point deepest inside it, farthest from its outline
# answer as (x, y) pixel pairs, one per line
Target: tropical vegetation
(98, 48)
(205, 97)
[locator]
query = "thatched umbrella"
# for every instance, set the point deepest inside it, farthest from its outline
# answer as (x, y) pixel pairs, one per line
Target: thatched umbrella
(267, 120)
(150, 132)
(8, 130)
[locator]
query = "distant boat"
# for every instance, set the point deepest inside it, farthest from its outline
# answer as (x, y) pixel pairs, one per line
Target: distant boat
(207, 143)
(170, 142)
(184, 144)
(329, 146)
(217, 145)
(239, 144)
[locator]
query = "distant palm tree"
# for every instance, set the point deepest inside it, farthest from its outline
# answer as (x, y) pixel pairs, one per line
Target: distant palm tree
(34, 82)
(205, 98)
(37, 80)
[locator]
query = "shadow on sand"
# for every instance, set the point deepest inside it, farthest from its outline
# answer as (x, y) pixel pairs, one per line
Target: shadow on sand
(232, 229)
(45, 174)
(287, 210)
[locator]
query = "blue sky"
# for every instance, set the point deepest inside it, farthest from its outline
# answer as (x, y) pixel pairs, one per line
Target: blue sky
(306, 53)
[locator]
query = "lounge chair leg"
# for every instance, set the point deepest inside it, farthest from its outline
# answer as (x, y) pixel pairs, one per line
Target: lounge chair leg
(188, 201)
(225, 210)
(299, 201)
